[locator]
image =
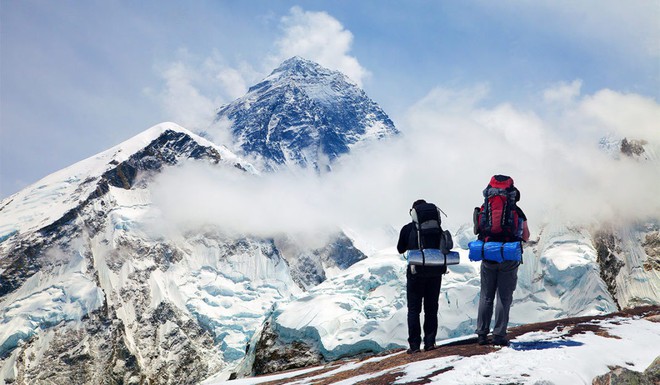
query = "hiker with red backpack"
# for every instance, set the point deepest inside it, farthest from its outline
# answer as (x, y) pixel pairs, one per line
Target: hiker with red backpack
(501, 227)
(428, 251)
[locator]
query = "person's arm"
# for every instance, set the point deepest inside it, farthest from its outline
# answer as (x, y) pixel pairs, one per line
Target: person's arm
(475, 220)
(525, 233)
(402, 245)
(525, 230)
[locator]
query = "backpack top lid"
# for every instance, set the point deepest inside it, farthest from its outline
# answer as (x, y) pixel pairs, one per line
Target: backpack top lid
(426, 215)
(501, 181)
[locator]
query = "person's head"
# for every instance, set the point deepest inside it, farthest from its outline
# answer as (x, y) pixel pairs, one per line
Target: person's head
(418, 202)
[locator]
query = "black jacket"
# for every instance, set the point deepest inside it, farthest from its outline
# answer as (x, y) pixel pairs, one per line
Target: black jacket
(408, 241)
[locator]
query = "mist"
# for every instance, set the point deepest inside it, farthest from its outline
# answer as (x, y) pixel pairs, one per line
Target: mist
(452, 142)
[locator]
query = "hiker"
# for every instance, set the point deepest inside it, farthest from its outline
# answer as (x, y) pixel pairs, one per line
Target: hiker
(501, 226)
(422, 282)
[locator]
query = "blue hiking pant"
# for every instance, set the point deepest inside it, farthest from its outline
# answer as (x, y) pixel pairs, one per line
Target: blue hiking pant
(497, 279)
(422, 291)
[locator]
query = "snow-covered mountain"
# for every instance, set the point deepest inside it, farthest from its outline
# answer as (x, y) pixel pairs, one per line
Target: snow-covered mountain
(303, 114)
(83, 292)
(93, 290)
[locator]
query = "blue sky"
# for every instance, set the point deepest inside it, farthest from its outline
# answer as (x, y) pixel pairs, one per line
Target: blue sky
(79, 77)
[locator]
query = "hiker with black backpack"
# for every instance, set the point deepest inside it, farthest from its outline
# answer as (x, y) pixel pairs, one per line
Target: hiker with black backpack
(501, 227)
(428, 248)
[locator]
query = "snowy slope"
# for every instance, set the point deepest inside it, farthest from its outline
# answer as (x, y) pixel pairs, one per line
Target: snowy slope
(364, 310)
(560, 356)
(47, 200)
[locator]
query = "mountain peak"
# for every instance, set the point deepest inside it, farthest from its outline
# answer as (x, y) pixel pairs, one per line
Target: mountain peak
(296, 62)
(301, 68)
(304, 114)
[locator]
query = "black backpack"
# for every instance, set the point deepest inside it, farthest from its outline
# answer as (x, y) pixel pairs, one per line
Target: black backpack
(426, 217)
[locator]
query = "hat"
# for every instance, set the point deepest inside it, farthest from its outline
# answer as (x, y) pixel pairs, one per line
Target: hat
(418, 202)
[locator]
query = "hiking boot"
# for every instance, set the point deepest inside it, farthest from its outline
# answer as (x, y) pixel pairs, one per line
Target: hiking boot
(413, 350)
(500, 341)
(482, 339)
(428, 348)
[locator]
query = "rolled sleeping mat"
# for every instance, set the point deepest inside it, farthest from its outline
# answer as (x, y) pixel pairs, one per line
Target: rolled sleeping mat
(432, 257)
(495, 251)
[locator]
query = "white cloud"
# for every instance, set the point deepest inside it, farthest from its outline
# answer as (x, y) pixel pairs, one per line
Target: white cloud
(182, 101)
(194, 87)
(269, 205)
(449, 149)
(627, 115)
(563, 93)
(319, 37)
(552, 151)
(233, 82)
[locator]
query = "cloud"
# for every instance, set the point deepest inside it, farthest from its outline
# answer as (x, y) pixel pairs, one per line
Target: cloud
(233, 82)
(182, 100)
(626, 115)
(450, 147)
(194, 87)
(240, 204)
(319, 37)
(563, 93)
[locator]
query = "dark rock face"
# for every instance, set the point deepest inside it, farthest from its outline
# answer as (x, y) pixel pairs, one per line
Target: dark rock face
(624, 376)
(308, 266)
(632, 147)
(651, 246)
(610, 264)
(271, 355)
(305, 115)
(341, 252)
(166, 150)
(97, 353)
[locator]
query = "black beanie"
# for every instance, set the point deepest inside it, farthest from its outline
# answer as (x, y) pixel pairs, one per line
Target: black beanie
(418, 202)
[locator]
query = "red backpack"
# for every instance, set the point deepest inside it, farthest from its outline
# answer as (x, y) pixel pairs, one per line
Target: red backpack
(497, 220)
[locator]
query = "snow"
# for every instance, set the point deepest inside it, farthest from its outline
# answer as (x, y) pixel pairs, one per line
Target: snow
(364, 308)
(361, 310)
(533, 358)
(66, 294)
(573, 363)
(47, 200)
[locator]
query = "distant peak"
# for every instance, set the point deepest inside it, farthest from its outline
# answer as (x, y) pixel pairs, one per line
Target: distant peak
(294, 59)
(297, 60)
(300, 66)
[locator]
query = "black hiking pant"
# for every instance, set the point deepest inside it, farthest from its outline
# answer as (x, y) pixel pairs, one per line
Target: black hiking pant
(422, 291)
